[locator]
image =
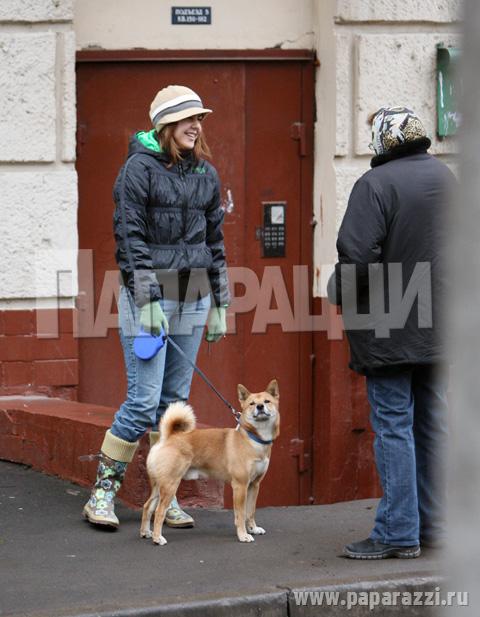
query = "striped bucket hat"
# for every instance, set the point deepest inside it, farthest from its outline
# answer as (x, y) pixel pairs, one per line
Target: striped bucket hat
(175, 103)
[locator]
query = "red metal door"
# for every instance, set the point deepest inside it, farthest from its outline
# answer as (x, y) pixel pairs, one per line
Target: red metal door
(261, 138)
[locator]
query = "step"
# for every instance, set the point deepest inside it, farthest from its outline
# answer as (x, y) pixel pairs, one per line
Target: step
(51, 435)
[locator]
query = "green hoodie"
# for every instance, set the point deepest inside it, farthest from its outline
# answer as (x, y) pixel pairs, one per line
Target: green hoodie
(149, 140)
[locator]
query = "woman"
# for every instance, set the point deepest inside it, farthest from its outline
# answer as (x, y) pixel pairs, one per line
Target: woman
(170, 251)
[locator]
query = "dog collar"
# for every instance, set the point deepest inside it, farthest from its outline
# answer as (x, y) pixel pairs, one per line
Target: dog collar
(258, 439)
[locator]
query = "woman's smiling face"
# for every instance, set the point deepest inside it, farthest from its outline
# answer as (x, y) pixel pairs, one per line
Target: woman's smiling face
(187, 131)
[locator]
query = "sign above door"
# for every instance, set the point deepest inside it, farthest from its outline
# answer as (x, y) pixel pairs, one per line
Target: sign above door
(191, 15)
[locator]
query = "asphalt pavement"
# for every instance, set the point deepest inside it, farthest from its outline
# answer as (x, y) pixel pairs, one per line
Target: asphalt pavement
(54, 564)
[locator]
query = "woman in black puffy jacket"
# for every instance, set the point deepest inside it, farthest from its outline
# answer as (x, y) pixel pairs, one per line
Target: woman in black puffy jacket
(169, 247)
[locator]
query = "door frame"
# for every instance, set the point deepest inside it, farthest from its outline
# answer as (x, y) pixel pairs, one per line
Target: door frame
(191, 55)
(304, 448)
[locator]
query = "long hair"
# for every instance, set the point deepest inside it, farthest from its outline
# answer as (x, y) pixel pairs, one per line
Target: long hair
(168, 143)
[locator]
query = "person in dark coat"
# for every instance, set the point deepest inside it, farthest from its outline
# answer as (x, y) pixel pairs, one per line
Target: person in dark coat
(391, 282)
(168, 226)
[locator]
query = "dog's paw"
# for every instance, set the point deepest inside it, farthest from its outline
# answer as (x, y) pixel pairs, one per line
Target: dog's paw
(246, 537)
(160, 541)
(146, 534)
(258, 531)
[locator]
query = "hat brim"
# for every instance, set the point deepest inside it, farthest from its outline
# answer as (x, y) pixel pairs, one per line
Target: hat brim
(181, 115)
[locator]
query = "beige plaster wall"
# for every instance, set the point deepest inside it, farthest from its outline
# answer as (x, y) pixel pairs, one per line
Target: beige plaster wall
(38, 198)
(250, 24)
(371, 53)
(386, 55)
(383, 53)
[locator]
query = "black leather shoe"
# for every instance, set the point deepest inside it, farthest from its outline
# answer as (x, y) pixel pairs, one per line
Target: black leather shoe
(372, 549)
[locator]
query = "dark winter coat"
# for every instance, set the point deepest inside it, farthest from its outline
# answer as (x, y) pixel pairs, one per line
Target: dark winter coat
(396, 215)
(168, 226)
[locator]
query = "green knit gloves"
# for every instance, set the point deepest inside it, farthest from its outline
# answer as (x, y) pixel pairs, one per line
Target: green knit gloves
(216, 324)
(153, 319)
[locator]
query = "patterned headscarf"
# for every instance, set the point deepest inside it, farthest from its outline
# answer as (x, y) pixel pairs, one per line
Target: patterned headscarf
(393, 127)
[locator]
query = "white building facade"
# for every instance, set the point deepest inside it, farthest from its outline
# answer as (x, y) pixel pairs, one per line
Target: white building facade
(368, 53)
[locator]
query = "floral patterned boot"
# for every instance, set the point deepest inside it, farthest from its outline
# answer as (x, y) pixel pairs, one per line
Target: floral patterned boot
(100, 509)
(114, 458)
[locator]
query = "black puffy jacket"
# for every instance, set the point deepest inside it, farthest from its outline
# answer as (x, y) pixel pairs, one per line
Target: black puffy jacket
(396, 227)
(168, 226)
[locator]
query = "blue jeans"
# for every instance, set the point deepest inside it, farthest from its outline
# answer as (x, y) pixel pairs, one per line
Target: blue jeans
(167, 377)
(409, 418)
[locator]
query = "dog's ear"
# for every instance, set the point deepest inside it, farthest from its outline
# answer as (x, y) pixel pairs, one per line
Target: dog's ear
(272, 389)
(243, 393)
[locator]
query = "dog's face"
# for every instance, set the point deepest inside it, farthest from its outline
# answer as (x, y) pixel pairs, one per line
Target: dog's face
(261, 408)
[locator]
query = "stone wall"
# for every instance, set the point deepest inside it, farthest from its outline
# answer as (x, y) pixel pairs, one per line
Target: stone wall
(38, 198)
(386, 55)
(37, 147)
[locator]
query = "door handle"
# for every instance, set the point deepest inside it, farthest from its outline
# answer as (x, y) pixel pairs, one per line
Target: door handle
(297, 449)
(298, 132)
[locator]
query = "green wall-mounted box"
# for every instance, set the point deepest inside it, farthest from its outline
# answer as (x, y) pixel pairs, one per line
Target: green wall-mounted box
(447, 85)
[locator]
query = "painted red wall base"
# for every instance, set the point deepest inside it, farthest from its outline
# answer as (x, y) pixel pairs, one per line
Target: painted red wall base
(51, 434)
(39, 355)
(36, 361)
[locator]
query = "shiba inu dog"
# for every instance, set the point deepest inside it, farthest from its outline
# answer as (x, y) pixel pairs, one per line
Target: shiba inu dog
(239, 456)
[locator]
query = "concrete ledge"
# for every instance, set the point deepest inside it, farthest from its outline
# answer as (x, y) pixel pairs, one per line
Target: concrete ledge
(51, 434)
(266, 605)
(354, 598)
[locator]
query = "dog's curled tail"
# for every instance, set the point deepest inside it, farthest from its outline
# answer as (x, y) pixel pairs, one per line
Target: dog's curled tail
(178, 418)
